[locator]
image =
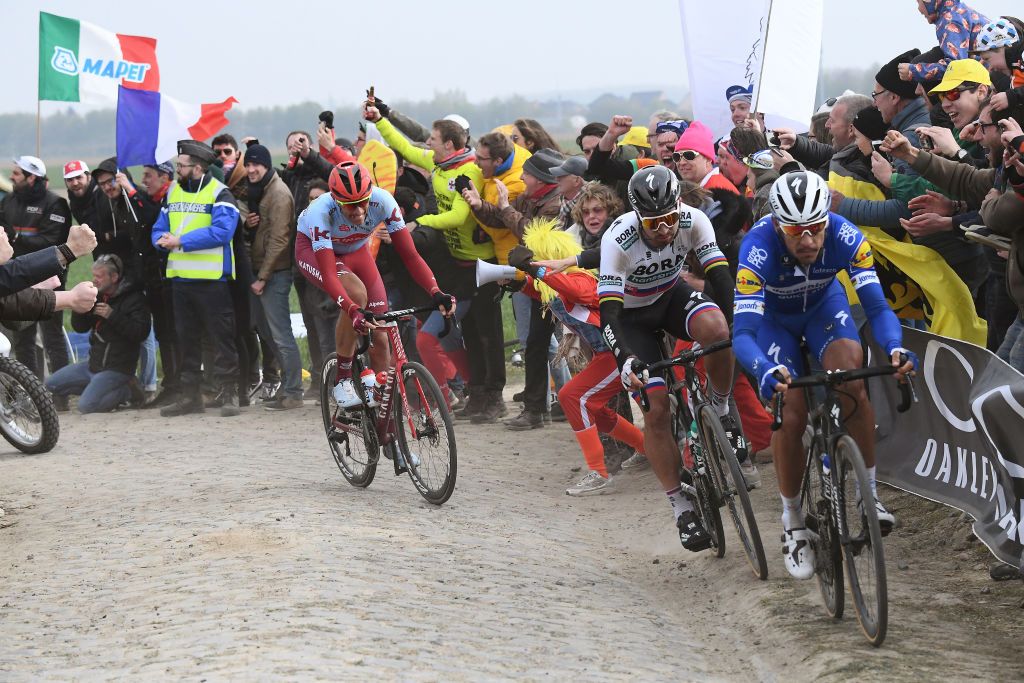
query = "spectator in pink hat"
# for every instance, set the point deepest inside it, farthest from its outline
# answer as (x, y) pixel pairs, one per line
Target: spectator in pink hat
(695, 158)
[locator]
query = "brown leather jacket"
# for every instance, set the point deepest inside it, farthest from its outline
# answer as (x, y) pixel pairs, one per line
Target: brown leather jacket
(271, 243)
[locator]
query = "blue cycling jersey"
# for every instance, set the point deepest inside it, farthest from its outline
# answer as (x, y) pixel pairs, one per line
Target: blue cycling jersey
(769, 280)
(327, 228)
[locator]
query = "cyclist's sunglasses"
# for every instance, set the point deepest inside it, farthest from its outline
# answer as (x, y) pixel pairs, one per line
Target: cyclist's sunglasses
(656, 223)
(954, 94)
(687, 154)
(811, 229)
(362, 203)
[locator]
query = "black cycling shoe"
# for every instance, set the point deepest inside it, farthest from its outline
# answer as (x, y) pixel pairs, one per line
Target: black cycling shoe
(692, 534)
(735, 436)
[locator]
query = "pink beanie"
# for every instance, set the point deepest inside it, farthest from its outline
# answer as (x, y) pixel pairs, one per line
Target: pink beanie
(698, 138)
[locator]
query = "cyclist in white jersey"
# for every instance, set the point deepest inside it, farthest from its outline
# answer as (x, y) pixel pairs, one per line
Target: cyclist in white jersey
(641, 294)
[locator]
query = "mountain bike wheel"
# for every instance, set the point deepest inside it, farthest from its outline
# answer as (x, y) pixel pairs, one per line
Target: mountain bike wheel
(709, 486)
(28, 418)
(722, 459)
(425, 434)
(862, 542)
(827, 552)
(355, 456)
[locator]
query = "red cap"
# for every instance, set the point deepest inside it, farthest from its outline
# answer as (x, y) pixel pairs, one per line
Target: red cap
(73, 169)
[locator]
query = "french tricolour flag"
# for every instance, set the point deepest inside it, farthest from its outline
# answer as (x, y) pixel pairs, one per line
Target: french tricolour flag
(149, 125)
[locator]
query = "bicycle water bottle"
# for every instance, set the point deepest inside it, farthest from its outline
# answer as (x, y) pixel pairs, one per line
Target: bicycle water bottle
(826, 465)
(696, 455)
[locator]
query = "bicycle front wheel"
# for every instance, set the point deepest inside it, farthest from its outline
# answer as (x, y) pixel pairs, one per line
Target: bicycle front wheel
(722, 459)
(709, 485)
(862, 541)
(355, 453)
(425, 434)
(818, 513)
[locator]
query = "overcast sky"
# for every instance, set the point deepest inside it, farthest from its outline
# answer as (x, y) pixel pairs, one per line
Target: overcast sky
(276, 53)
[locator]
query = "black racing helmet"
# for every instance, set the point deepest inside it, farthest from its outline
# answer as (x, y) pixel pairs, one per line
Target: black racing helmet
(653, 191)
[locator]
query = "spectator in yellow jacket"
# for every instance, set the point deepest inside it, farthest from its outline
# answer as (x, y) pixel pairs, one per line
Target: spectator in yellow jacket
(500, 159)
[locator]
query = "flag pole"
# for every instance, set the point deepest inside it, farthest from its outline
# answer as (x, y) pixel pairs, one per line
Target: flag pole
(39, 106)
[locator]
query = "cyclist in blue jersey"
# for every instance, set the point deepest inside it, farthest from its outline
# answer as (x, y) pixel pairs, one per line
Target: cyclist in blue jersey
(786, 290)
(331, 249)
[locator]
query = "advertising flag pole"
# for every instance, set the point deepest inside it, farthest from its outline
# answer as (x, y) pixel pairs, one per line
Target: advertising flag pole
(38, 127)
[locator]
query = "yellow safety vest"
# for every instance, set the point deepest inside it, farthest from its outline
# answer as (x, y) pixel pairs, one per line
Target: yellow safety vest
(188, 211)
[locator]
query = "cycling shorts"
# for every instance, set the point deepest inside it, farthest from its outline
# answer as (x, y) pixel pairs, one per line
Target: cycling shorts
(780, 334)
(672, 312)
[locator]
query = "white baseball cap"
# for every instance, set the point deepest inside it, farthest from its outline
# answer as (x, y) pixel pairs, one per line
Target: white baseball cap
(33, 165)
(459, 120)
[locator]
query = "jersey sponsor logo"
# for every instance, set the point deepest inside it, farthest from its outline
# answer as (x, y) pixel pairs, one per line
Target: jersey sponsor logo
(34, 209)
(57, 218)
(757, 256)
(848, 234)
(665, 266)
(866, 278)
(773, 352)
(395, 217)
(321, 234)
(756, 307)
(703, 249)
(747, 281)
(841, 316)
(625, 235)
(864, 258)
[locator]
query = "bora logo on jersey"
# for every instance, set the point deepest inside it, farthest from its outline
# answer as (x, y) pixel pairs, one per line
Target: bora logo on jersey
(863, 258)
(747, 281)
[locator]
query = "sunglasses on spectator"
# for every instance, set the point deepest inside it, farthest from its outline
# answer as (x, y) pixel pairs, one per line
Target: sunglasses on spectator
(954, 94)
(811, 229)
(225, 151)
(831, 102)
(687, 154)
(658, 223)
(112, 259)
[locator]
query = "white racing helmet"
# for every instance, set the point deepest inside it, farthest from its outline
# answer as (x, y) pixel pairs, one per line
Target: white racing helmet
(800, 198)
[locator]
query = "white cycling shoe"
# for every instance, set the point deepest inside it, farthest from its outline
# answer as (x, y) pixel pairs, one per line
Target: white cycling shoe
(798, 552)
(345, 394)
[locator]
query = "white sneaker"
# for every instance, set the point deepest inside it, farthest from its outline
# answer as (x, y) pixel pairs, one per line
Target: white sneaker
(750, 474)
(415, 459)
(886, 520)
(590, 484)
(345, 394)
(797, 550)
(636, 461)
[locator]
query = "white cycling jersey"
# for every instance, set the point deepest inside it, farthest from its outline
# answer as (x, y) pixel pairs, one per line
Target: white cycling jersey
(637, 273)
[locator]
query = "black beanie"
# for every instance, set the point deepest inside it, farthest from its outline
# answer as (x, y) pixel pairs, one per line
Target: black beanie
(869, 122)
(258, 154)
(889, 76)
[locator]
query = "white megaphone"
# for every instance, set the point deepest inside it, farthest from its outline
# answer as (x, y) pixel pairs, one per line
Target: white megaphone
(488, 272)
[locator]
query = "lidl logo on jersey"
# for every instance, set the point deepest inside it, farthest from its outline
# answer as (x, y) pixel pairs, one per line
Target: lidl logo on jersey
(863, 258)
(747, 281)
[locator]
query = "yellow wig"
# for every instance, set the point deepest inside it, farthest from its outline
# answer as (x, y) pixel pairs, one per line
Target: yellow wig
(547, 242)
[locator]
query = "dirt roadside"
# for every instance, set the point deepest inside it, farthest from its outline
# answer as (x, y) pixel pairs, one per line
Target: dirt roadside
(234, 548)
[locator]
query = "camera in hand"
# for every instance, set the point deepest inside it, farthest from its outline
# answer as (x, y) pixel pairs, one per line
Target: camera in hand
(461, 183)
(926, 142)
(328, 118)
(773, 140)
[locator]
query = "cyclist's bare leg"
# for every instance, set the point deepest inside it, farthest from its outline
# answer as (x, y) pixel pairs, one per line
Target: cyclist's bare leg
(662, 451)
(345, 335)
(706, 329)
(858, 414)
(787, 445)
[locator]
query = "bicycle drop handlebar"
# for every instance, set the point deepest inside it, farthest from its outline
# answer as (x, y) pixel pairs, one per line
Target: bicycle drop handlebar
(834, 378)
(392, 316)
(684, 358)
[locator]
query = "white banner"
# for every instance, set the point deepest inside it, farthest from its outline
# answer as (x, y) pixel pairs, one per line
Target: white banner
(725, 45)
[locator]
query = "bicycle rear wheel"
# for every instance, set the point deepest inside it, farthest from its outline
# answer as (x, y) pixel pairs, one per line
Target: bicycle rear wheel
(425, 434)
(722, 459)
(827, 553)
(356, 456)
(709, 485)
(862, 541)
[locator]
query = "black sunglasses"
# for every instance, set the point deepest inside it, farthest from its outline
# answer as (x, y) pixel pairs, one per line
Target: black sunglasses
(113, 259)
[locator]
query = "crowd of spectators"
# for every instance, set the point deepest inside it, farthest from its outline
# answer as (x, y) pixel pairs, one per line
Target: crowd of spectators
(934, 151)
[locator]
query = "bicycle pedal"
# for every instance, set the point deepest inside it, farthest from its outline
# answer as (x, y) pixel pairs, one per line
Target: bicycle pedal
(336, 436)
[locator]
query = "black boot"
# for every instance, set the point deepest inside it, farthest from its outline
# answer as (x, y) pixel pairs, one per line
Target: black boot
(229, 404)
(527, 419)
(494, 408)
(189, 401)
(474, 404)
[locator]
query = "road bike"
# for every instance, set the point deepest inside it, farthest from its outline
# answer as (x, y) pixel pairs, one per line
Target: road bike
(407, 420)
(715, 480)
(839, 506)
